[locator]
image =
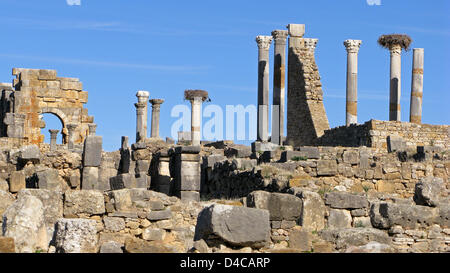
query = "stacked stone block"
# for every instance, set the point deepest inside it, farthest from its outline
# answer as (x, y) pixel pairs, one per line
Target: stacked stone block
(187, 176)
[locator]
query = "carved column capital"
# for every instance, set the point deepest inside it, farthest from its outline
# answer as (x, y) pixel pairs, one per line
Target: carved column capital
(264, 42)
(280, 36)
(311, 43)
(395, 49)
(352, 46)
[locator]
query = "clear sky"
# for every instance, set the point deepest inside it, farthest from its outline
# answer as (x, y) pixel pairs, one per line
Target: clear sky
(118, 47)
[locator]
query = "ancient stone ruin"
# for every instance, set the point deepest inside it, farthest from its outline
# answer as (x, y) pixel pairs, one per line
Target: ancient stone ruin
(378, 186)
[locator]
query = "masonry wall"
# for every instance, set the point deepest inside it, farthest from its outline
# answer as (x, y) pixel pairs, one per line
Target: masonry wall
(375, 133)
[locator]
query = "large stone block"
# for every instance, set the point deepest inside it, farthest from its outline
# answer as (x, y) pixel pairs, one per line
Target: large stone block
(395, 144)
(239, 226)
(346, 237)
(6, 199)
(351, 157)
(17, 181)
(326, 167)
(281, 206)
(343, 200)
(24, 221)
(190, 196)
(159, 215)
(92, 154)
(428, 191)
(30, 153)
(114, 224)
(76, 236)
(339, 218)
(385, 215)
(90, 178)
(52, 202)
(239, 151)
(300, 239)
(49, 179)
(124, 180)
(313, 215)
(85, 201)
(310, 152)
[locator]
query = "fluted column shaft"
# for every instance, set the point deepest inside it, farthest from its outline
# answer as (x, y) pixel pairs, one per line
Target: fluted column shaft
(141, 115)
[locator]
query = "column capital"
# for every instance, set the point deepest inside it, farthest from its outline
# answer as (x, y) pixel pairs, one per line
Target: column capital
(280, 35)
(92, 128)
(395, 49)
(156, 102)
(352, 46)
(53, 131)
(264, 42)
(311, 43)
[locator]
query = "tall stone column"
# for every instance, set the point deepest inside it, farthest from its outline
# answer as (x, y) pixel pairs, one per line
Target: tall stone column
(53, 138)
(263, 87)
(156, 105)
(71, 128)
(196, 97)
(141, 115)
(415, 114)
(395, 82)
(279, 90)
(352, 47)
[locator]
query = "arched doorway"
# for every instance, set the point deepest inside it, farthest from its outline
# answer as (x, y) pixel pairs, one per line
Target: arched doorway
(50, 121)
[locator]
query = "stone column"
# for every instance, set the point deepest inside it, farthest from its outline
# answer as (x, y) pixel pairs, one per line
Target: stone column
(53, 138)
(279, 91)
(141, 115)
(415, 114)
(92, 128)
(395, 82)
(352, 47)
(196, 97)
(156, 104)
(263, 87)
(71, 128)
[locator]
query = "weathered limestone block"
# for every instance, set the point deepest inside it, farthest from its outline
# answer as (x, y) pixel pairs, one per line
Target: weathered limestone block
(385, 215)
(114, 224)
(186, 196)
(135, 245)
(444, 215)
(239, 226)
(49, 179)
(92, 154)
(52, 202)
(7, 245)
(190, 176)
(111, 247)
(281, 206)
(339, 218)
(121, 199)
(351, 157)
(343, 200)
(326, 167)
(159, 215)
(395, 144)
(258, 146)
(313, 215)
(428, 191)
(85, 201)
(244, 164)
(363, 221)
(300, 240)
(24, 221)
(124, 180)
(6, 199)
(30, 153)
(76, 236)
(211, 160)
(143, 180)
(4, 186)
(238, 151)
(90, 178)
(153, 234)
(346, 237)
(17, 181)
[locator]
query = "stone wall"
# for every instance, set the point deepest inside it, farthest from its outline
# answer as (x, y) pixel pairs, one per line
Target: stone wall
(38, 91)
(375, 133)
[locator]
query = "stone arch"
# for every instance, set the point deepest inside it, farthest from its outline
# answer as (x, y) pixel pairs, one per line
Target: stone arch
(61, 116)
(39, 91)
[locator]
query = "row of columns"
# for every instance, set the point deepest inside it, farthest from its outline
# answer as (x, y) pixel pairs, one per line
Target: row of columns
(141, 115)
(71, 129)
(352, 47)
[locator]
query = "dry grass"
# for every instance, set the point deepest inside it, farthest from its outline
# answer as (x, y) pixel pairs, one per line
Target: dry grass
(388, 40)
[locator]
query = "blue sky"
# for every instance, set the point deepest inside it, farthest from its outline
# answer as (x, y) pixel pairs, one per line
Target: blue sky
(118, 47)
